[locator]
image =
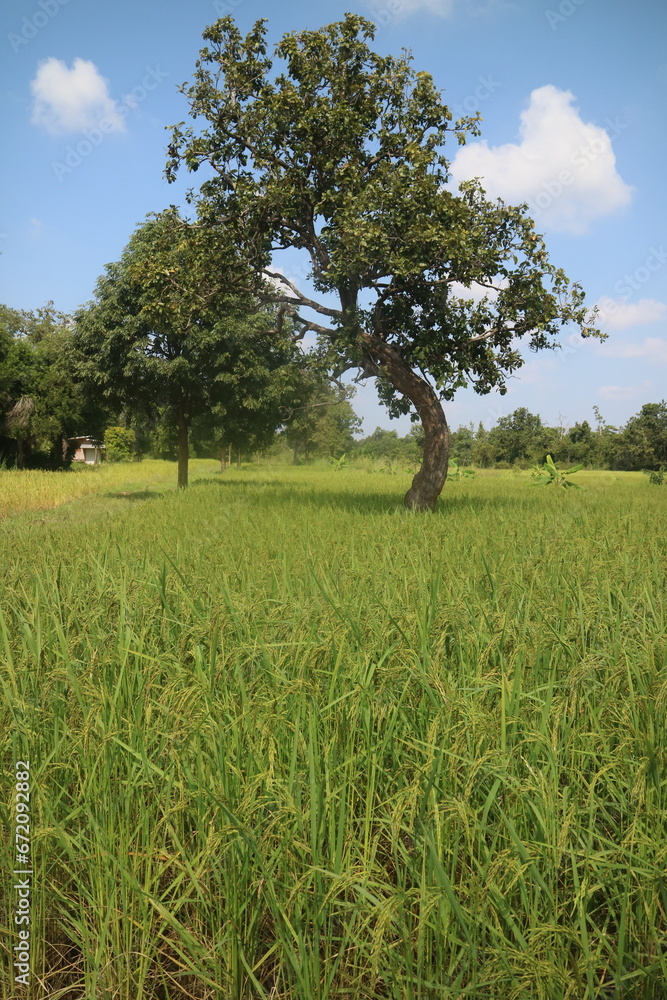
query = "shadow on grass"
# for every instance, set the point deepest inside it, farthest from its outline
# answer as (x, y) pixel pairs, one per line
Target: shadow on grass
(135, 495)
(278, 492)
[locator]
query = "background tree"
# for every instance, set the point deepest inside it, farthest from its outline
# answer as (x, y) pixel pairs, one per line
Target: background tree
(120, 444)
(174, 325)
(578, 445)
(519, 437)
(43, 401)
(643, 443)
(482, 450)
(462, 444)
(322, 420)
(341, 156)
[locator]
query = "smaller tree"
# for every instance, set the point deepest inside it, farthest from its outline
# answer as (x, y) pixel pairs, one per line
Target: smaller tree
(322, 421)
(482, 448)
(461, 445)
(579, 444)
(120, 444)
(175, 325)
(518, 437)
(19, 424)
(43, 401)
(643, 444)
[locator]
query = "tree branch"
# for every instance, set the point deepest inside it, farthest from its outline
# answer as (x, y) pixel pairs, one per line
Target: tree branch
(298, 298)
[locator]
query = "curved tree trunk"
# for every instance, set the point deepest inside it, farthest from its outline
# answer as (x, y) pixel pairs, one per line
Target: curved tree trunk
(428, 482)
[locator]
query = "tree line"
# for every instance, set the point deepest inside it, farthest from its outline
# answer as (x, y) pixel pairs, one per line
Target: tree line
(520, 440)
(292, 411)
(154, 388)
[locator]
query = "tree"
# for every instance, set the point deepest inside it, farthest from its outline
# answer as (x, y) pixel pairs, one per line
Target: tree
(579, 444)
(520, 437)
(320, 421)
(120, 444)
(382, 444)
(482, 450)
(462, 443)
(342, 156)
(643, 443)
(174, 325)
(42, 400)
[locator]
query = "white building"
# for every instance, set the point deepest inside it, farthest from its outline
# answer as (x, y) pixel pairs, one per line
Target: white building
(87, 450)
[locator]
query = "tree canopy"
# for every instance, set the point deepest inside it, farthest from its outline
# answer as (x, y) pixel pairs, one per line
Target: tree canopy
(43, 403)
(175, 326)
(342, 156)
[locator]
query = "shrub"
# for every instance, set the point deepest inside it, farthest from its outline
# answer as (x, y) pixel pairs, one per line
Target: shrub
(119, 443)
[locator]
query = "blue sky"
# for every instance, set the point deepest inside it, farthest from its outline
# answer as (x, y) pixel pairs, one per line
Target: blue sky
(573, 95)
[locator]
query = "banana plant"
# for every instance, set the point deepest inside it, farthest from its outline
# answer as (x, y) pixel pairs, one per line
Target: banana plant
(456, 473)
(549, 475)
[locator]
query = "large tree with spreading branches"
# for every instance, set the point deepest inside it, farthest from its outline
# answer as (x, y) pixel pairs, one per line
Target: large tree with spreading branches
(342, 156)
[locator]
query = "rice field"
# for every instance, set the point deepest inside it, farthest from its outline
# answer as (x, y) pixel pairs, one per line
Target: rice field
(40, 490)
(288, 740)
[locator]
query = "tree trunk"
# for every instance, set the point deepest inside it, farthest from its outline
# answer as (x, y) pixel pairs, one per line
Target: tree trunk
(223, 464)
(238, 460)
(20, 453)
(428, 482)
(183, 447)
(295, 455)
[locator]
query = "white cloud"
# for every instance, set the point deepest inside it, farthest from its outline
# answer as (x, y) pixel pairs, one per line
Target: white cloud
(71, 100)
(563, 167)
(477, 292)
(652, 349)
(442, 7)
(271, 276)
(386, 11)
(617, 314)
(624, 392)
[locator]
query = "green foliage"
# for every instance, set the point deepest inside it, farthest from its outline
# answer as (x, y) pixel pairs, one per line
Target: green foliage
(387, 445)
(319, 420)
(174, 327)
(120, 444)
(657, 476)
(519, 437)
(457, 474)
(643, 443)
(43, 401)
(549, 475)
(338, 464)
(462, 443)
